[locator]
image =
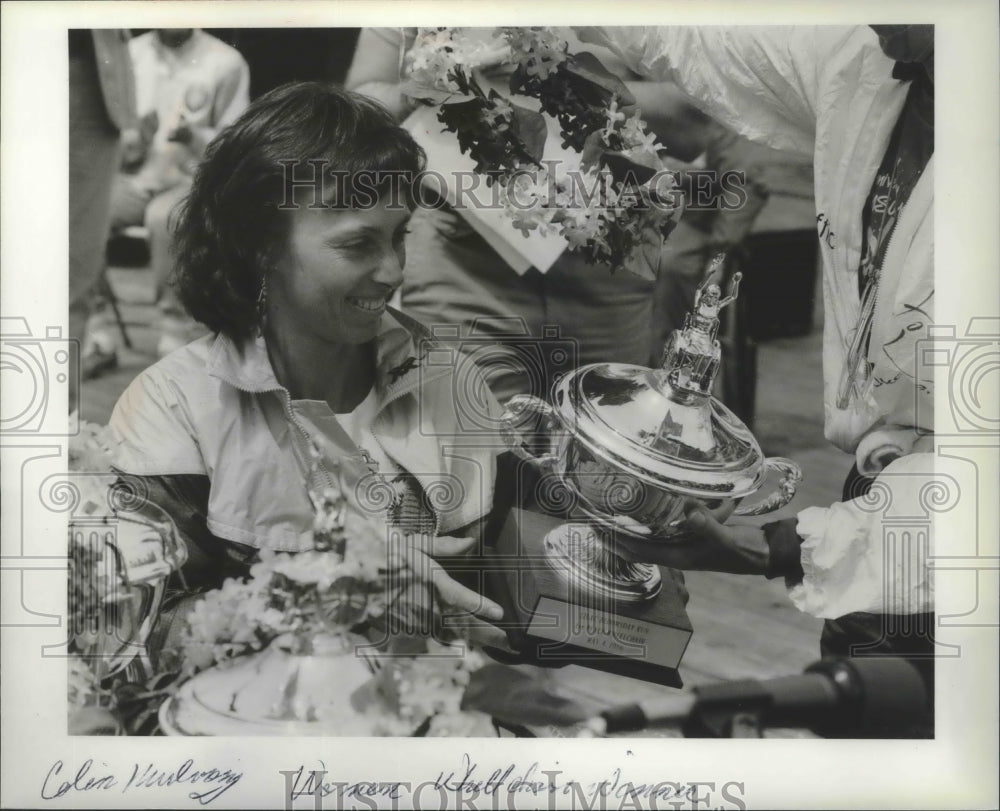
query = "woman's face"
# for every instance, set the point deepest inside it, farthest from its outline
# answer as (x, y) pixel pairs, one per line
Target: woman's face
(337, 272)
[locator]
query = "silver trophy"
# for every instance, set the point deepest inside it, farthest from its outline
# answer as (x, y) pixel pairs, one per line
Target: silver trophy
(632, 446)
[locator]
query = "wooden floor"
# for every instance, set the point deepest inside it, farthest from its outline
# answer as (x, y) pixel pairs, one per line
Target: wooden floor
(745, 627)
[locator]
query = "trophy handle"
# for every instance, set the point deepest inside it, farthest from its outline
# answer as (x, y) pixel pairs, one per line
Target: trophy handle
(792, 475)
(518, 409)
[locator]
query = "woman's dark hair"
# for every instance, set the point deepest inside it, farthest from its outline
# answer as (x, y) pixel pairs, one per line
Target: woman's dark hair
(234, 223)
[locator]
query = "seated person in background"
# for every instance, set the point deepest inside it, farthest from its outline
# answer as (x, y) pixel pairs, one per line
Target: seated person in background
(189, 85)
(456, 277)
(303, 352)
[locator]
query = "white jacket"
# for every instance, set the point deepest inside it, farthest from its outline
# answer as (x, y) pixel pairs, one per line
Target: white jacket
(216, 409)
(828, 92)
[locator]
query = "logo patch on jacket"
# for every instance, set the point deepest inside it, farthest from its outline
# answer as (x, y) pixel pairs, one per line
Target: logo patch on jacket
(408, 365)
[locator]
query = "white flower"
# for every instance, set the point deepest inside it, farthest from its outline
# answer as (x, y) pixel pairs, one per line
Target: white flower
(437, 52)
(500, 114)
(525, 199)
(614, 119)
(306, 567)
(637, 140)
(539, 51)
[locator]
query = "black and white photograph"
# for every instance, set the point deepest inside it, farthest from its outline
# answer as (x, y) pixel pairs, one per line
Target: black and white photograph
(446, 405)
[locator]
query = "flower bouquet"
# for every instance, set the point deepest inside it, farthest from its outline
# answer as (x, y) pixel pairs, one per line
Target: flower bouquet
(613, 199)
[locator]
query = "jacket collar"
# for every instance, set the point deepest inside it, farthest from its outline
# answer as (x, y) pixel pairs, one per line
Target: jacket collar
(401, 349)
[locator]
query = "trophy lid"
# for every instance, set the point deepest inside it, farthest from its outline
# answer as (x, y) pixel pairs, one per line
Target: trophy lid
(630, 416)
(663, 425)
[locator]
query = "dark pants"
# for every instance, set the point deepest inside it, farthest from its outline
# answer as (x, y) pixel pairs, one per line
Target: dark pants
(454, 278)
(859, 634)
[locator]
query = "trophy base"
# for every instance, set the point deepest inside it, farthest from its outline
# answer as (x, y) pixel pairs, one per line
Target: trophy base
(584, 557)
(553, 619)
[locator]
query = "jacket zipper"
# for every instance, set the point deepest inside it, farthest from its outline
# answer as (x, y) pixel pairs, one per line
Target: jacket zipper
(878, 284)
(859, 352)
(300, 437)
(304, 437)
(400, 391)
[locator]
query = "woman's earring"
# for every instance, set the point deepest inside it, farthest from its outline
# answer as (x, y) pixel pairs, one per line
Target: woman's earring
(262, 304)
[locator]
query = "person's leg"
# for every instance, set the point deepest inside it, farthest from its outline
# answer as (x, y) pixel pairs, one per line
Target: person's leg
(128, 202)
(576, 313)
(453, 278)
(102, 336)
(607, 315)
(159, 220)
(177, 328)
(685, 255)
(93, 159)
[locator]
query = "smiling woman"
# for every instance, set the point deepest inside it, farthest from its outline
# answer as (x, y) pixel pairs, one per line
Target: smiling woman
(309, 376)
(331, 286)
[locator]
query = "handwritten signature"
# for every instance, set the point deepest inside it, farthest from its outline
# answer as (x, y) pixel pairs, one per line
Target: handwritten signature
(211, 783)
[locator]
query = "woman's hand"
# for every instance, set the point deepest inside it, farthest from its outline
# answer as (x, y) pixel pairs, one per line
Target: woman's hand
(471, 612)
(705, 544)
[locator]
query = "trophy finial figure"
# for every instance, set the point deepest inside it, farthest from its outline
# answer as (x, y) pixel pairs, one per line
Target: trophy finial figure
(692, 355)
(708, 301)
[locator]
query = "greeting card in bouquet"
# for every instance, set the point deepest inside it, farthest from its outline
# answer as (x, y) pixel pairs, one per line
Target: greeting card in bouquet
(453, 177)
